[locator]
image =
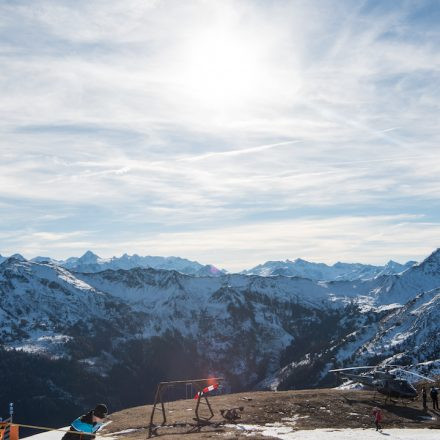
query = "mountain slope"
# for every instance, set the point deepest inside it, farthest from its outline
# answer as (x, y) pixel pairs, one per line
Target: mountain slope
(240, 324)
(41, 303)
(405, 332)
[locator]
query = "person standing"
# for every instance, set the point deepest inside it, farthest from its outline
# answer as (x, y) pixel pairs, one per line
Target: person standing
(87, 424)
(424, 397)
(377, 414)
(434, 396)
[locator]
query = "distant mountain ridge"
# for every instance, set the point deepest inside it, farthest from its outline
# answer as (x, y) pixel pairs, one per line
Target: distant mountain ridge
(323, 272)
(92, 263)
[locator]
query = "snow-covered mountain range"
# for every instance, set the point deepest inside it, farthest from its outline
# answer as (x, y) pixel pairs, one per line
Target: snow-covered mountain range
(90, 262)
(129, 328)
(323, 272)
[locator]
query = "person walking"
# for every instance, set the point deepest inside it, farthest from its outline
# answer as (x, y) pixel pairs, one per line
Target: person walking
(87, 424)
(434, 396)
(377, 414)
(424, 397)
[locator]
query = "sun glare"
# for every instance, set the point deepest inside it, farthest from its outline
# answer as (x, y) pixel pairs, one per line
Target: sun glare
(224, 69)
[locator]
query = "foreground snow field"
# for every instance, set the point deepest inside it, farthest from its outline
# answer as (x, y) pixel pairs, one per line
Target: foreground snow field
(57, 435)
(50, 435)
(284, 432)
(288, 433)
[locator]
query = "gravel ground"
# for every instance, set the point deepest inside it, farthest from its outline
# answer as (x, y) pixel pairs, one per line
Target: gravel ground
(298, 410)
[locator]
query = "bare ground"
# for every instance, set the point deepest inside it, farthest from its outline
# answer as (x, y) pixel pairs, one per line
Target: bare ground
(305, 409)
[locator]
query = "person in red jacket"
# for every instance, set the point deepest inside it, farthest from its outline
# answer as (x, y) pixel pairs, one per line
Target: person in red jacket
(377, 414)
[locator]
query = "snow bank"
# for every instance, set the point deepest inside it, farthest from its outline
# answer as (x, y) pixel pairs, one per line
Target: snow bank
(57, 435)
(49, 435)
(284, 432)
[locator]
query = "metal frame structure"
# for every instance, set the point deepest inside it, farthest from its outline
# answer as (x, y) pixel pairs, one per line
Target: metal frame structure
(198, 385)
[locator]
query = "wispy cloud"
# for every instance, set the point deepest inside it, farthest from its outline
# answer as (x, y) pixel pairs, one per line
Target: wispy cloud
(188, 117)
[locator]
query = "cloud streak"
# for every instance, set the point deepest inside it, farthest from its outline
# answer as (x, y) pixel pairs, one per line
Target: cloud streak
(237, 152)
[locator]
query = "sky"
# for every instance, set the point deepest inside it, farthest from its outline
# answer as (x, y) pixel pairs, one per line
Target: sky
(227, 132)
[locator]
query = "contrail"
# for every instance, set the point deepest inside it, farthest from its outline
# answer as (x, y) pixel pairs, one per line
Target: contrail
(388, 129)
(236, 152)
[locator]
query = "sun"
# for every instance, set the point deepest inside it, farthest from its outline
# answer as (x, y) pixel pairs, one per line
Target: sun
(223, 68)
(232, 71)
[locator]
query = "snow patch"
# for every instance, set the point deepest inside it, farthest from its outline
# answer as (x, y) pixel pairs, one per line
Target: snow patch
(287, 433)
(125, 431)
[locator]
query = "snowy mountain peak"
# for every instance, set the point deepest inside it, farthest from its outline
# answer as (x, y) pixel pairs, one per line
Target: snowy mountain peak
(435, 256)
(18, 257)
(44, 260)
(89, 257)
(395, 265)
(431, 264)
(392, 268)
(210, 271)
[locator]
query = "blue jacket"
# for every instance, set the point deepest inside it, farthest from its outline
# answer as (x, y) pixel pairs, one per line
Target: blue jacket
(83, 424)
(80, 425)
